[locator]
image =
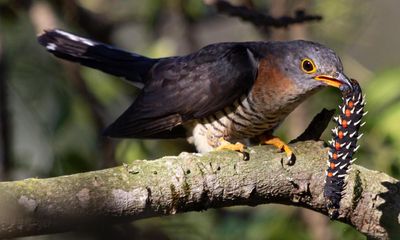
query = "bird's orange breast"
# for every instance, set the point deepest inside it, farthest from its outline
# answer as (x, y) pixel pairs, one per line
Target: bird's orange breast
(272, 85)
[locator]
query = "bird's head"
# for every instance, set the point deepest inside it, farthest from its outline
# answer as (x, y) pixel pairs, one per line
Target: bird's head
(312, 65)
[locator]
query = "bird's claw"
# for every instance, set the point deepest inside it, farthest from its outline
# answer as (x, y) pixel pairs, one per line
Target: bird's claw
(290, 159)
(283, 147)
(246, 156)
(238, 147)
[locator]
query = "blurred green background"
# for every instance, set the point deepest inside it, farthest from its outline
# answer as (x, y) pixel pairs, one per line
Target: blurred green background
(57, 110)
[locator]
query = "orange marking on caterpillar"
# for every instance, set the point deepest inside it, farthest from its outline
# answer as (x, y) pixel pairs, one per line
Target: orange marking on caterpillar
(330, 174)
(334, 156)
(332, 165)
(340, 134)
(351, 104)
(337, 146)
(348, 113)
(344, 123)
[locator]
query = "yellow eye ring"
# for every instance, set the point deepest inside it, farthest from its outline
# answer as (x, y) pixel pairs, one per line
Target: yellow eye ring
(308, 66)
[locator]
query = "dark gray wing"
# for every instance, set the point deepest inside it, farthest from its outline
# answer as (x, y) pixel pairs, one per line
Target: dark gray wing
(186, 88)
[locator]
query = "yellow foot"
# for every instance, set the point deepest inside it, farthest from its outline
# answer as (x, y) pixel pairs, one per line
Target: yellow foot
(239, 147)
(282, 146)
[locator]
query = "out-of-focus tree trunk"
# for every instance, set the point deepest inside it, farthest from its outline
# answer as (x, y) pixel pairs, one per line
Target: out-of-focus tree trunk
(175, 26)
(5, 127)
(42, 18)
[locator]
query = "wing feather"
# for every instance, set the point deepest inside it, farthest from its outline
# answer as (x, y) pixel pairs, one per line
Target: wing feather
(186, 88)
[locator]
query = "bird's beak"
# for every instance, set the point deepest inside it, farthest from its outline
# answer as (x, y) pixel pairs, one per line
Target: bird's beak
(337, 81)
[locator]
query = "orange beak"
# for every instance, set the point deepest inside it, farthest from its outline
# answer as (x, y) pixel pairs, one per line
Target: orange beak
(334, 81)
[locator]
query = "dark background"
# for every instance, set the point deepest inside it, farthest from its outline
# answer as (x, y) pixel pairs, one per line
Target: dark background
(52, 112)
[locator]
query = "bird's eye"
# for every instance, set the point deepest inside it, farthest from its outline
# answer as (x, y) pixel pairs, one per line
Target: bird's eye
(308, 66)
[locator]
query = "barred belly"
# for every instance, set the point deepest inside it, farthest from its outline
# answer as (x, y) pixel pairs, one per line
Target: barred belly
(236, 123)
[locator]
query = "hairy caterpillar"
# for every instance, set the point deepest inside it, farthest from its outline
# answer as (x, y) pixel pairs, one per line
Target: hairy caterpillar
(343, 145)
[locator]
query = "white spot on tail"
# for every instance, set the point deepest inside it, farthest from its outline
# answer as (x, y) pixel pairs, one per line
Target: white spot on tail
(51, 46)
(76, 38)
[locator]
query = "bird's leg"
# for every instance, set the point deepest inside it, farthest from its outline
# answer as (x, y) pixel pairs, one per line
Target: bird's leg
(225, 145)
(281, 145)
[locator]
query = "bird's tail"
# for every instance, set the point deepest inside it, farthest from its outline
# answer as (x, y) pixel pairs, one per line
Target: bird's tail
(97, 55)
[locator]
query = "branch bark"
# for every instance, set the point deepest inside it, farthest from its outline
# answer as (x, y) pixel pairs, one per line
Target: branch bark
(192, 182)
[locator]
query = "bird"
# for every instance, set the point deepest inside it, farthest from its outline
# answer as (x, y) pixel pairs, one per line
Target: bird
(223, 96)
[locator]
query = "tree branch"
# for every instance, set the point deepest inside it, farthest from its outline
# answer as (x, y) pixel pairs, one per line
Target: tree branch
(259, 19)
(191, 182)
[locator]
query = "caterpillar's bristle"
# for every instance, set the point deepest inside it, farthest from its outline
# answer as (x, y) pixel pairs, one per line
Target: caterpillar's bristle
(356, 123)
(360, 136)
(363, 102)
(343, 166)
(355, 149)
(335, 119)
(344, 109)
